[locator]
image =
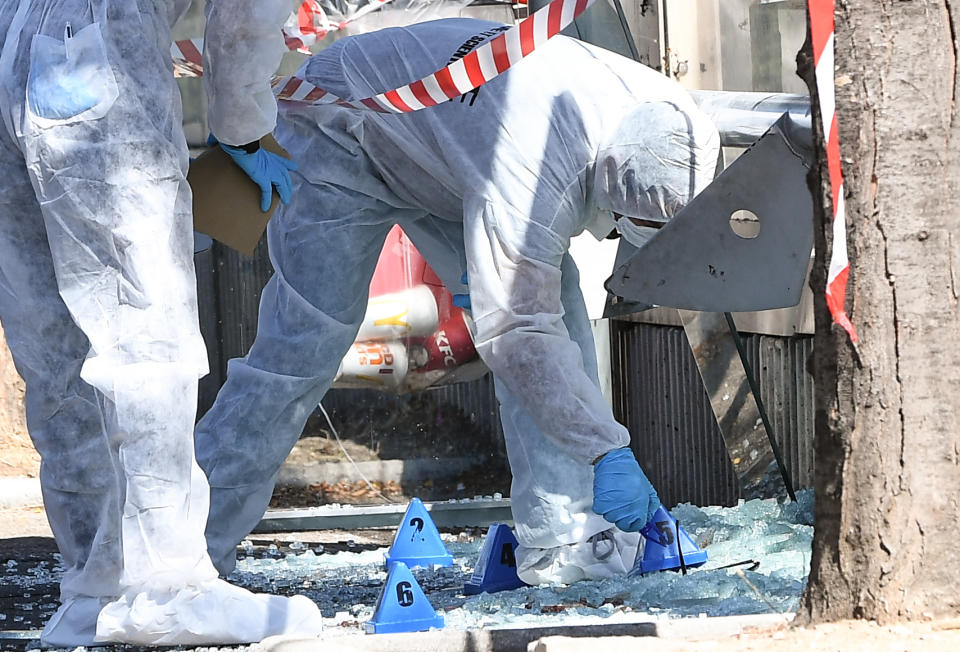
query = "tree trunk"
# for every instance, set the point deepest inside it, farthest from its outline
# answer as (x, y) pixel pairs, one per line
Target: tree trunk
(886, 449)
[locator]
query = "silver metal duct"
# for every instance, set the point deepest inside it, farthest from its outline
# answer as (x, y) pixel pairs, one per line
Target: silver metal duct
(743, 116)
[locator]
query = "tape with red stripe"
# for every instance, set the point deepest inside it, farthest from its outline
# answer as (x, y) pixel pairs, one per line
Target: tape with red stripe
(525, 37)
(822, 32)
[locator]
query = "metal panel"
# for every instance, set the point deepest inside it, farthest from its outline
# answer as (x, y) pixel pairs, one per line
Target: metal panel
(452, 513)
(697, 261)
(240, 280)
(659, 397)
(742, 117)
(787, 390)
(209, 328)
(228, 287)
(784, 322)
(733, 392)
(476, 400)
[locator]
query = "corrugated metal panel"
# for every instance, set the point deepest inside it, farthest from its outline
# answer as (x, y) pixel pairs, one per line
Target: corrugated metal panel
(657, 389)
(240, 280)
(659, 397)
(229, 287)
(787, 392)
(209, 327)
(474, 400)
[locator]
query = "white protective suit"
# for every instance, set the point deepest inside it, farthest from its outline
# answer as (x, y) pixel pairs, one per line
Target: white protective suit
(494, 183)
(98, 305)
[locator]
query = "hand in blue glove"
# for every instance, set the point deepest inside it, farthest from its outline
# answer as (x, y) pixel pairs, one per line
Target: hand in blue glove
(462, 300)
(621, 492)
(268, 170)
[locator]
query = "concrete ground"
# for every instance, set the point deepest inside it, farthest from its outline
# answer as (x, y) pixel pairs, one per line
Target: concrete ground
(733, 634)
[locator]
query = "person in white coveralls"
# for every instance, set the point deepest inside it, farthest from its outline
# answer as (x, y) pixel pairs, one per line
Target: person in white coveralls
(493, 184)
(98, 302)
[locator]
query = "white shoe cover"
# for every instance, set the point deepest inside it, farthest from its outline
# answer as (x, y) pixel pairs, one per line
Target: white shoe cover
(73, 624)
(213, 612)
(607, 554)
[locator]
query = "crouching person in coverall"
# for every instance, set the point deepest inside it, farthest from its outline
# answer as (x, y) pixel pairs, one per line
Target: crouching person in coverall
(98, 304)
(494, 184)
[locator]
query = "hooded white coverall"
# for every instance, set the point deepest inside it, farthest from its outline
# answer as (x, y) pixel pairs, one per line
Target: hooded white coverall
(495, 184)
(98, 304)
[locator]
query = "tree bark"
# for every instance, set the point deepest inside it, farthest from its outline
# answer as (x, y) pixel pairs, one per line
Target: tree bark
(887, 453)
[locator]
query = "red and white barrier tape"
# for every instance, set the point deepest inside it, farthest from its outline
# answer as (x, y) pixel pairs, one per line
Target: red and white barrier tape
(307, 26)
(462, 76)
(822, 34)
(310, 24)
(187, 58)
(496, 56)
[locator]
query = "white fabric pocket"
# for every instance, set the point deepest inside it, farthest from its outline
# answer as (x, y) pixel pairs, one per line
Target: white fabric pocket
(70, 80)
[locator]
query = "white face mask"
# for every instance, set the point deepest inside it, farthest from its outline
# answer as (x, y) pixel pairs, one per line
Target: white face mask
(634, 233)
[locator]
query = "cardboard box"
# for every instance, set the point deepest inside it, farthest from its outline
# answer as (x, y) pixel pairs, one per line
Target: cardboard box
(226, 202)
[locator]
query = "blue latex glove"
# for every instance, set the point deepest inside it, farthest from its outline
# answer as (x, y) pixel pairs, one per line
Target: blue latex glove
(268, 170)
(621, 492)
(462, 300)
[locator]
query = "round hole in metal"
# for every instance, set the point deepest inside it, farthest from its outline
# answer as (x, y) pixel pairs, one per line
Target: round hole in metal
(745, 224)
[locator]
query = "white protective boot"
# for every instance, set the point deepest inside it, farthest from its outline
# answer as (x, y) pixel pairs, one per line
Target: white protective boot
(74, 623)
(194, 608)
(212, 612)
(610, 553)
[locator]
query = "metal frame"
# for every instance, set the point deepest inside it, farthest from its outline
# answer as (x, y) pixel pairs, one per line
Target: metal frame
(453, 513)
